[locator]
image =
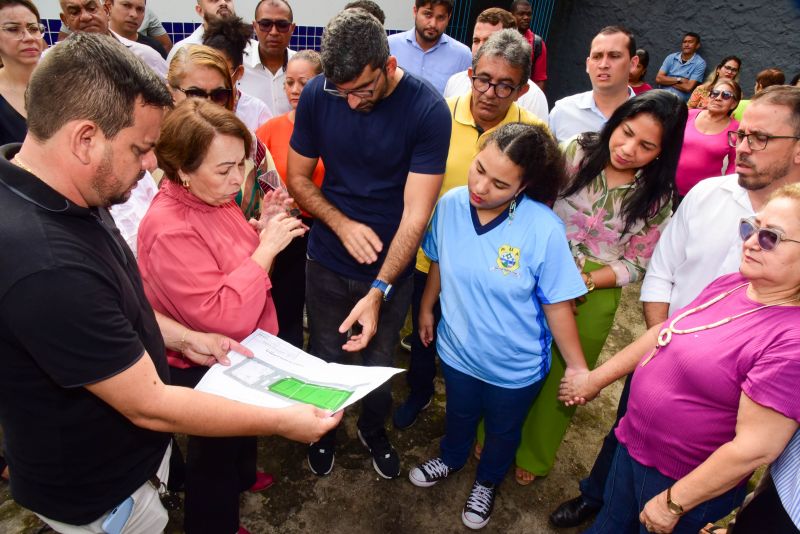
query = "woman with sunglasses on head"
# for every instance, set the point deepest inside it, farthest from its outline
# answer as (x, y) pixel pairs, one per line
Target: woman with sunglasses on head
(289, 272)
(502, 269)
(203, 264)
(21, 45)
(615, 207)
(706, 152)
(199, 71)
(728, 69)
(713, 395)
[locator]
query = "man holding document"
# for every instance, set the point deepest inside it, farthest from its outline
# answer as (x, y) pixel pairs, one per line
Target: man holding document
(84, 397)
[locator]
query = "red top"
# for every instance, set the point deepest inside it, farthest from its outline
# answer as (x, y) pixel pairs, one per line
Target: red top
(275, 134)
(196, 267)
(538, 64)
(642, 88)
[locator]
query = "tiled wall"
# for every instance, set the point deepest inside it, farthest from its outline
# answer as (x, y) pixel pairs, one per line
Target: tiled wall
(304, 37)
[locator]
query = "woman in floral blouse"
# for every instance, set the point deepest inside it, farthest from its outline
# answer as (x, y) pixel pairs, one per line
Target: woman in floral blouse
(614, 209)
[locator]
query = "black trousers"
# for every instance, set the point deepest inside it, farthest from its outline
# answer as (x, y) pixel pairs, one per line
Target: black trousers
(764, 515)
(217, 471)
(288, 279)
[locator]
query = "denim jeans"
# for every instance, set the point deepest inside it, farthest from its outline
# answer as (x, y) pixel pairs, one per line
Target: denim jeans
(631, 485)
(422, 364)
(503, 411)
(329, 300)
(592, 486)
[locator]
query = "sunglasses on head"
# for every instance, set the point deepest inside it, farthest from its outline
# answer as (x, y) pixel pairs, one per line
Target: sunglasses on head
(768, 238)
(726, 95)
(218, 96)
(282, 25)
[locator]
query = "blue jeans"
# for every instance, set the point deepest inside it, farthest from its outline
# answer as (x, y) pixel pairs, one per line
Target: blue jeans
(329, 300)
(592, 486)
(631, 485)
(422, 364)
(503, 411)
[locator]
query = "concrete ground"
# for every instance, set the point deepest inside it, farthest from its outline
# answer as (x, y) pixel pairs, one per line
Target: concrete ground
(355, 500)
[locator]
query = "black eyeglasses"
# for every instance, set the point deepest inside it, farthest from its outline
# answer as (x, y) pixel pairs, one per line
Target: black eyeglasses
(756, 141)
(768, 238)
(726, 95)
(360, 93)
(218, 96)
(282, 25)
(501, 89)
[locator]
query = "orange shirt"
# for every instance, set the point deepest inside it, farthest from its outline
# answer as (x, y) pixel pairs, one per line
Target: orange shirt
(275, 134)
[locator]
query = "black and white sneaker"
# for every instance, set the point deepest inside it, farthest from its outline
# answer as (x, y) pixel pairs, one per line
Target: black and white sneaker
(320, 459)
(384, 458)
(429, 473)
(478, 509)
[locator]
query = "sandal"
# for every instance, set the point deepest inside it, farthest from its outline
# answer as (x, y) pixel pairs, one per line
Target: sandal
(523, 476)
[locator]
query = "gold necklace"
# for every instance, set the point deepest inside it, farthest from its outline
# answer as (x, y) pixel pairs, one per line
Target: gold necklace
(19, 163)
(665, 336)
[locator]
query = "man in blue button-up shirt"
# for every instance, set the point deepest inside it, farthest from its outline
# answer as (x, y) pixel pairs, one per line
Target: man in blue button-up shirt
(425, 50)
(682, 71)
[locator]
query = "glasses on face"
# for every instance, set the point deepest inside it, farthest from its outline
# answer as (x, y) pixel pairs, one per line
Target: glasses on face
(726, 95)
(360, 93)
(218, 96)
(501, 89)
(768, 238)
(17, 31)
(282, 25)
(756, 141)
(730, 69)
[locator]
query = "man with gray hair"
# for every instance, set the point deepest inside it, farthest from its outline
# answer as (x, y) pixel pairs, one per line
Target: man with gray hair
(499, 75)
(488, 22)
(94, 17)
(85, 403)
(383, 135)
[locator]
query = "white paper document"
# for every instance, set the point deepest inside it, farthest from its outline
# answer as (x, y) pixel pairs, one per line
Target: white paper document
(280, 374)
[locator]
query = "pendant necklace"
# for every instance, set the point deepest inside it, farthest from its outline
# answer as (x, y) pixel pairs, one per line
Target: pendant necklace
(665, 336)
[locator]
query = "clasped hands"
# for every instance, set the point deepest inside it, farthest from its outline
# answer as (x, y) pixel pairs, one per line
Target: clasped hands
(576, 387)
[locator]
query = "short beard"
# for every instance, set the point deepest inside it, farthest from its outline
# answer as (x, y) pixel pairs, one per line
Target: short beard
(421, 35)
(765, 177)
(106, 185)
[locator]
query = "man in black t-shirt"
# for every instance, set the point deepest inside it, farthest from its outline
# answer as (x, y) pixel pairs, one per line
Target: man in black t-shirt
(84, 401)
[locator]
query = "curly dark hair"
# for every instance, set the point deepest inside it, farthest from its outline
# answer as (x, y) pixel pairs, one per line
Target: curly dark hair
(533, 149)
(229, 35)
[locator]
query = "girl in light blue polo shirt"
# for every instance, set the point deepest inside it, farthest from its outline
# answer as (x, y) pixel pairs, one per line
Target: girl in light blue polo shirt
(506, 280)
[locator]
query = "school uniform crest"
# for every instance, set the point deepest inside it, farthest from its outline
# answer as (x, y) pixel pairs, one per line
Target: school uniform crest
(508, 259)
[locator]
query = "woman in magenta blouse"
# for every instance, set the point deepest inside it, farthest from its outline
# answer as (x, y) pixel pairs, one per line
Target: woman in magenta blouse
(714, 392)
(705, 140)
(202, 264)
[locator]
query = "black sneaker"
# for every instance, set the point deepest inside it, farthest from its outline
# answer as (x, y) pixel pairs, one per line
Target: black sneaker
(478, 509)
(429, 473)
(406, 414)
(384, 458)
(320, 459)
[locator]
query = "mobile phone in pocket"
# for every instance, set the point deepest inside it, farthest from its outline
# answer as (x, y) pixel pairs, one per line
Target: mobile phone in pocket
(118, 517)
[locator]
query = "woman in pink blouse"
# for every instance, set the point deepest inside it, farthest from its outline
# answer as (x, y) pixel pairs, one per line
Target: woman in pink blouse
(204, 266)
(705, 141)
(714, 392)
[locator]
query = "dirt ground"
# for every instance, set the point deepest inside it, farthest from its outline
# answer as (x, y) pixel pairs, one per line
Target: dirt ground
(355, 500)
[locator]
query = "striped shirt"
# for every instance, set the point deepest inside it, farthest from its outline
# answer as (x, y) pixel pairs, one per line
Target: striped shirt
(786, 476)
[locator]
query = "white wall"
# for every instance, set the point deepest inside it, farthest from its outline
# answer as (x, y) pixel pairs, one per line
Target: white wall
(306, 12)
